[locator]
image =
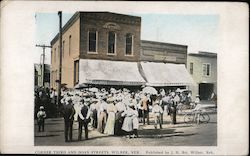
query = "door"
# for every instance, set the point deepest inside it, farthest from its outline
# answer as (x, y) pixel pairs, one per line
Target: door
(205, 90)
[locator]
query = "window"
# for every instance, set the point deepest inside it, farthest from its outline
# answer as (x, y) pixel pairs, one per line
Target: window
(129, 44)
(54, 55)
(76, 72)
(63, 48)
(69, 44)
(191, 67)
(111, 43)
(206, 69)
(92, 41)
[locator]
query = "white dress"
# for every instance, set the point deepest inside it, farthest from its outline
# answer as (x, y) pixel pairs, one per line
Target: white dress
(128, 120)
(110, 125)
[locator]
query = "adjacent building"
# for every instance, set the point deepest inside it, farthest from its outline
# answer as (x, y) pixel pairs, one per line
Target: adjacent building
(203, 68)
(38, 75)
(163, 52)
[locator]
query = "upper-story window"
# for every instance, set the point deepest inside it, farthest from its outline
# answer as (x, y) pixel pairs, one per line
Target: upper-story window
(206, 69)
(191, 68)
(63, 44)
(129, 44)
(54, 55)
(111, 42)
(92, 44)
(69, 45)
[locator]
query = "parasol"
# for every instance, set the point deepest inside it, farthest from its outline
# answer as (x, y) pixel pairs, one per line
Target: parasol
(149, 90)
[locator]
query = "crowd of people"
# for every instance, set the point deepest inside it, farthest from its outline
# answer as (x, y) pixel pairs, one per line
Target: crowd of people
(116, 111)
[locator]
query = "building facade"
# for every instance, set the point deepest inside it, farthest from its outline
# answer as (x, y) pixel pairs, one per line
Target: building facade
(203, 68)
(163, 52)
(38, 81)
(94, 35)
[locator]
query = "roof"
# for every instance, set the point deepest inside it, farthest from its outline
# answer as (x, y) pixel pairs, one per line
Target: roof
(204, 54)
(162, 43)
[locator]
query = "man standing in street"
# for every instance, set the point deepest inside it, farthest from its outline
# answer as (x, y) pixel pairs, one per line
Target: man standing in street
(68, 112)
(145, 108)
(83, 118)
(176, 101)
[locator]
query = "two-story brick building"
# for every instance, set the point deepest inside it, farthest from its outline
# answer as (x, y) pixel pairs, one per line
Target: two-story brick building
(98, 38)
(203, 68)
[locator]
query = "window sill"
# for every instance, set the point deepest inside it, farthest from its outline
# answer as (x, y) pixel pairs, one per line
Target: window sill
(89, 52)
(111, 54)
(130, 55)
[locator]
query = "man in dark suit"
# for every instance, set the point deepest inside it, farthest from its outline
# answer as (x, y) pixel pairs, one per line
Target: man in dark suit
(68, 112)
(84, 118)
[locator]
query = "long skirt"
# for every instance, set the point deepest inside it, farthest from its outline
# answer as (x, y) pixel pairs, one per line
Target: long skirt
(127, 124)
(101, 122)
(118, 124)
(110, 125)
(135, 123)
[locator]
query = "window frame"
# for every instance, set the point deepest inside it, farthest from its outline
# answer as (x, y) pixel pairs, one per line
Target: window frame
(96, 42)
(70, 37)
(132, 45)
(191, 68)
(76, 75)
(114, 43)
(63, 48)
(206, 65)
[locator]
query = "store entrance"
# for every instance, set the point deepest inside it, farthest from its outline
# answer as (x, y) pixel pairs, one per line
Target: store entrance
(205, 90)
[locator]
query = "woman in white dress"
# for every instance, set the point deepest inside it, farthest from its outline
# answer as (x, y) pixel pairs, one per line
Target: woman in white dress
(128, 120)
(111, 110)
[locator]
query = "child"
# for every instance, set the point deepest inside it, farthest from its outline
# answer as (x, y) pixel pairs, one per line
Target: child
(157, 111)
(41, 115)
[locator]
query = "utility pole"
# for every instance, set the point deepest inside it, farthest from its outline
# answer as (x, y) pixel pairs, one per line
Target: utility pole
(43, 46)
(60, 60)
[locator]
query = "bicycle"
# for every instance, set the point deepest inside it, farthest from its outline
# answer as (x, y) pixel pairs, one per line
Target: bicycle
(181, 107)
(198, 116)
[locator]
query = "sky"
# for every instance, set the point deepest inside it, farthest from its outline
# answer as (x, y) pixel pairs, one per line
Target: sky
(198, 32)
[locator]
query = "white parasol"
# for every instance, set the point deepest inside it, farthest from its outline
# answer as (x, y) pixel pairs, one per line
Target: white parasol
(149, 90)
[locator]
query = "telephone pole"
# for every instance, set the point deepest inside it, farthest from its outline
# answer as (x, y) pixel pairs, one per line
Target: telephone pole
(60, 59)
(43, 46)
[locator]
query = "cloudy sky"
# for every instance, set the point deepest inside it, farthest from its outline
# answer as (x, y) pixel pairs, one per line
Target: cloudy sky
(198, 32)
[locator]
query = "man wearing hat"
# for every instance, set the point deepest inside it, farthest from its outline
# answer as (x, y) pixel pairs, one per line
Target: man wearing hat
(68, 112)
(41, 115)
(83, 118)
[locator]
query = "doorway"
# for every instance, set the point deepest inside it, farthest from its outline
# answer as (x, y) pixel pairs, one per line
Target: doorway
(205, 90)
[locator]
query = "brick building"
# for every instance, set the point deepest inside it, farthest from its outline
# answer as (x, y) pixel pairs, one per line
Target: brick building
(163, 52)
(94, 35)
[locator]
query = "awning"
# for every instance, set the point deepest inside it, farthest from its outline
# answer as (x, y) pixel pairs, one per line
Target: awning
(166, 74)
(105, 72)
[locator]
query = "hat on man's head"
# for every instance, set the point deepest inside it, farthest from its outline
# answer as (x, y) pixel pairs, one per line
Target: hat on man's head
(87, 100)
